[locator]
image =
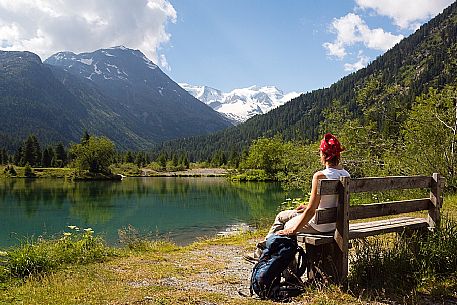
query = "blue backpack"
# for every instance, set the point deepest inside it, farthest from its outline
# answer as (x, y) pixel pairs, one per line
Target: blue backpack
(278, 255)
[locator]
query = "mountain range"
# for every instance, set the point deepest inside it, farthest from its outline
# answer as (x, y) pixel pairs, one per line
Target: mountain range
(426, 59)
(241, 104)
(115, 92)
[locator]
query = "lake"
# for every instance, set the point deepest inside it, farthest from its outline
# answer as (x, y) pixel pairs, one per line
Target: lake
(182, 209)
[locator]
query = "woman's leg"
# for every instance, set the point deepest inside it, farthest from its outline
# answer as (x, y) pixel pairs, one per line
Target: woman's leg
(280, 220)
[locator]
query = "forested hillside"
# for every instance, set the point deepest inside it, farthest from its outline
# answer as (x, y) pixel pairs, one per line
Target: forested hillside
(121, 95)
(380, 95)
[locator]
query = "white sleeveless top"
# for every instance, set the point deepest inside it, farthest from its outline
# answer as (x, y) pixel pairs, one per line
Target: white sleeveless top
(329, 201)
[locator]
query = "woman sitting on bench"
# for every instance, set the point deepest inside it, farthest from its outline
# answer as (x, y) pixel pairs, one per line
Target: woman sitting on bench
(301, 219)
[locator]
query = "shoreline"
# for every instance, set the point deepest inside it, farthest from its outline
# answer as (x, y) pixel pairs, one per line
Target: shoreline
(68, 174)
(197, 172)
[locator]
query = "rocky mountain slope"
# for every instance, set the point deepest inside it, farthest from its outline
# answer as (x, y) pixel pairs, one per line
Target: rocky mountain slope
(115, 92)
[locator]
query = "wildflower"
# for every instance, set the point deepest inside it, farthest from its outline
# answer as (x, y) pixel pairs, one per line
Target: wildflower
(89, 230)
(66, 234)
(72, 227)
(3, 253)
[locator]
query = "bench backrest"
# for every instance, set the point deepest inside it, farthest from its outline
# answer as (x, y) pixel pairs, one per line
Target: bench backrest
(345, 186)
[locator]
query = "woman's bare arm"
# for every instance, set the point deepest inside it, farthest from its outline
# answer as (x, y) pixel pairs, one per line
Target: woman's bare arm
(310, 210)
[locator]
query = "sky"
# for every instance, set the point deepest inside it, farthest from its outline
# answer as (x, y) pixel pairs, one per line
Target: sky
(295, 45)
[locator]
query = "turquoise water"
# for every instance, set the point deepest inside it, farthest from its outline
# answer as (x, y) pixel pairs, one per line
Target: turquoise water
(182, 209)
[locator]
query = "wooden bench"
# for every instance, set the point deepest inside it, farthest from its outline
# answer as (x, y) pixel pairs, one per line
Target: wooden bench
(328, 253)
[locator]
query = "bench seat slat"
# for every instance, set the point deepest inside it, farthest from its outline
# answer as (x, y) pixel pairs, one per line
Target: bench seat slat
(315, 239)
(386, 227)
(378, 223)
(364, 229)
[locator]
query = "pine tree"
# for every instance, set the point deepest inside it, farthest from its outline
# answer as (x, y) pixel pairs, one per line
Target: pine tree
(60, 156)
(48, 154)
(129, 157)
(162, 159)
(19, 156)
(184, 161)
(32, 151)
(3, 156)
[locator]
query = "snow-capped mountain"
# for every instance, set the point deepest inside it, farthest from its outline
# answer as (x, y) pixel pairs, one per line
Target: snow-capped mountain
(138, 91)
(241, 104)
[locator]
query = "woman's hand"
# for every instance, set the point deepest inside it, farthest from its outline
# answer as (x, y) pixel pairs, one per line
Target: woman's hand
(287, 232)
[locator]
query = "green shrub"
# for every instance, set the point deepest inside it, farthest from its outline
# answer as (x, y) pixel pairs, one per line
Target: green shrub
(29, 259)
(377, 265)
(154, 166)
(34, 257)
(127, 169)
(438, 251)
(251, 175)
(10, 170)
(28, 171)
(402, 265)
(131, 238)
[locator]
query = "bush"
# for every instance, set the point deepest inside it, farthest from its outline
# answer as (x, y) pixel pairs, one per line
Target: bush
(407, 262)
(438, 252)
(127, 169)
(75, 247)
(10, 170)
(131, 238)
(28, 171)
(377, 265)
(251, 175)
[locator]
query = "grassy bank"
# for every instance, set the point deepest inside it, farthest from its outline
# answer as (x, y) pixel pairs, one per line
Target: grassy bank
(51, 172)
(206, 272)
(78, 268)
(127, 170)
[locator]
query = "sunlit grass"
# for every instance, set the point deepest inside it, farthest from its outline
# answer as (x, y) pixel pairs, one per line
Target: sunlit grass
(35, 257)
(160, 272)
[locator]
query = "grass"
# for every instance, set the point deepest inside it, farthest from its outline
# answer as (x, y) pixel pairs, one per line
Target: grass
(410, 264)
(38, 257)
(159, 272)
(37, 172)
(79, 269)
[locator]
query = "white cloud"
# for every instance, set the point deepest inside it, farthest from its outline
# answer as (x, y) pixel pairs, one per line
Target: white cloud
(49, 26)
(406, 13)
(359, 64)
(164, 63)
(351, 29)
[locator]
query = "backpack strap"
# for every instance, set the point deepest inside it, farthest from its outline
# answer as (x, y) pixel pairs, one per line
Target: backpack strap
(302, 261)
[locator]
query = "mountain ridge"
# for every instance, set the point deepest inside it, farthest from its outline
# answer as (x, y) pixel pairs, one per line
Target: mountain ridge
(243, 103)
(99, 92)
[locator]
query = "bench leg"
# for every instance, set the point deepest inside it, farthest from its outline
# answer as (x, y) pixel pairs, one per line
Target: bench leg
(341, 261)
(321, 264)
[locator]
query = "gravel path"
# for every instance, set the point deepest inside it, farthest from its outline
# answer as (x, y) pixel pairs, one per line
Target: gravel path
(231, 278)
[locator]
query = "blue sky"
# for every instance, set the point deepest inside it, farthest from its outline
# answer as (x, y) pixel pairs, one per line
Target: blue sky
(296, 45)
(238, 43)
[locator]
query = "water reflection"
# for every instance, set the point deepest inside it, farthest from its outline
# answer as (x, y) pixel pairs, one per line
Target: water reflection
(183, 208)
